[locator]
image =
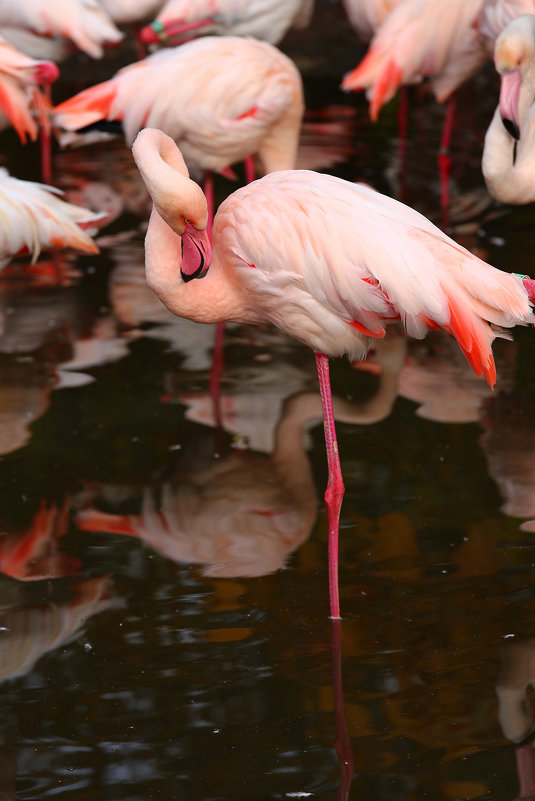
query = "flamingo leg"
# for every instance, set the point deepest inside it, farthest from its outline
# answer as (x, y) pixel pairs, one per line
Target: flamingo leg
(250, 173)
(45, 144)
(335, 485)
(343, 741)
(444, 161)
(403, 122)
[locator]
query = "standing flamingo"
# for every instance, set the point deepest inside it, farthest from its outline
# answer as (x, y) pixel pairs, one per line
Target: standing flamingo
(509, 152)
(222, 99)
(327, 261)
(423, 40)
(22, 105)
(420, 39)
(264, 19)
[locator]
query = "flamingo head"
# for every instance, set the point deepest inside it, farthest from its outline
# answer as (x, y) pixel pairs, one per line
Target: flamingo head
(178, 200)
(514, 55)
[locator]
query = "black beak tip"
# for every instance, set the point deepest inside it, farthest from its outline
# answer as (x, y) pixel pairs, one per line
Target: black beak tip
(200, 273)
(511, 128)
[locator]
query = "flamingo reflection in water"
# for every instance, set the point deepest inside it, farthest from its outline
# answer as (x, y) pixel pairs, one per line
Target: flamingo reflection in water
(242, 514)
(29, 632)
(515, 711)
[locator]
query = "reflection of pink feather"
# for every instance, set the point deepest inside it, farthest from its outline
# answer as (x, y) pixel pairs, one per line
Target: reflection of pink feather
(30, 632)
(34, 555)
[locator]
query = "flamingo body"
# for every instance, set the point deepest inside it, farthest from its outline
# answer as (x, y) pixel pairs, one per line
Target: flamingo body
(268, 20)
(508, 161)
(22, 105)
(33, 218)
(366, 16)
(220, 98)
(84, 22)
(330, 264)
(495, 15)
(420, 39)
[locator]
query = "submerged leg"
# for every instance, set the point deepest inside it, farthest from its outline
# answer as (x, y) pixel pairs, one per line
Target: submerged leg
(335, 486)
(45, 143)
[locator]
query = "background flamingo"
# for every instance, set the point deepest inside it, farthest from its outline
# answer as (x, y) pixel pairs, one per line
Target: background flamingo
(34, 218)
(84, 22)
(264, 19)
(221, 99)
(508, 162)
(328, 265)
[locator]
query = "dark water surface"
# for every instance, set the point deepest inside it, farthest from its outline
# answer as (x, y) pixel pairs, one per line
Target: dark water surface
(164, 628)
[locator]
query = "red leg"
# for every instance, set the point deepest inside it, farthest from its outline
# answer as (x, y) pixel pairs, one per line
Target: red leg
(335, 486)
(45, 144)
(444, 161)
(343, 742)
(403, 119)
(250, 173)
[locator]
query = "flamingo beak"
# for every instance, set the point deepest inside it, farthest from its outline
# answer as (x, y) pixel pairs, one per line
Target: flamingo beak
(508, 104)
(196, 253)
(159, 32)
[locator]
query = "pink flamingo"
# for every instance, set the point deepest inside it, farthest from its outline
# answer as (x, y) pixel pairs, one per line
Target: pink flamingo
(34, 218)
(508, 162)
(84, 22)
(268, 20)
(420, 39)
(222, 99)
(423, 39)
(22, 104)
(327, 261)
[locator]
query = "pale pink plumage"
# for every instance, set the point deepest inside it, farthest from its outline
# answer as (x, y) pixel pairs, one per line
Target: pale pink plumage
(420, 39)
(34, 218)
(84, 22)
(220, 98)
(331, 262)
(268, 20)
(366, 16)
(21, 102)
(495, 15)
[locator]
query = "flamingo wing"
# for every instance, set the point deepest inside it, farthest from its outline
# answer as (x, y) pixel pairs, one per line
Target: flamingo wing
(343, 254)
